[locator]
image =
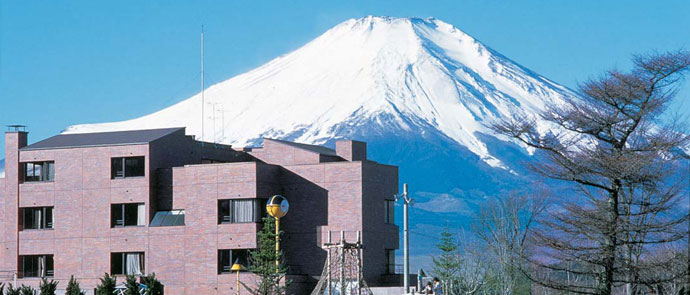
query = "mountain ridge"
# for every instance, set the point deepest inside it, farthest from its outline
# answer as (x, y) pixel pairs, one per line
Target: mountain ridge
(404, 73)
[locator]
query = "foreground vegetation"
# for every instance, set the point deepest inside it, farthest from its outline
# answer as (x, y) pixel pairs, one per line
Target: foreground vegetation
(619, 226)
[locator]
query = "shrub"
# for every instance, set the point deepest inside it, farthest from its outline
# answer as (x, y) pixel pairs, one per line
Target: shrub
(27, 290)
(153, 285)
(11, 290)
(107, 285)
(47, 288)
(132, 286)
(73, 287)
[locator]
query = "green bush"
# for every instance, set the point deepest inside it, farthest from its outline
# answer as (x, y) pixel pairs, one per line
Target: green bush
(107, 285)
(27, 290)
(11, 290)
(47, 288)
(73, 287)
(132, 286)
(153, 285)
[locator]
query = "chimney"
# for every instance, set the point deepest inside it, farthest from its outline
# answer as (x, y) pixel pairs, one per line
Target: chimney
(15, 139)
(351, 150)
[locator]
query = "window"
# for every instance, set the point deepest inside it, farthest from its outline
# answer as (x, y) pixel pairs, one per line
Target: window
(128, 263)
(168, 218)
(127, 167)
(226, 258)
(39, 171)
(36, 266)
(389, 215)
(36, 218)
(240, 210)
(390, 261)
(131, 214)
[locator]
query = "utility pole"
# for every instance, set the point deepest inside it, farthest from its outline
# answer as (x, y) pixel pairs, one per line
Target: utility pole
(202, 83)
(406, 238)
(214, 122)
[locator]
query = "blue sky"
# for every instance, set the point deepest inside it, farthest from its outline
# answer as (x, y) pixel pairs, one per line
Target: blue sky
(63, 63)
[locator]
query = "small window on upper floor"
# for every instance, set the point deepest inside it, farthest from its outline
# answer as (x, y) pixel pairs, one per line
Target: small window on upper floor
(389, 211)
(39, 171)
(131, 214)
(36, 218)
(122, 167)
(241, 210)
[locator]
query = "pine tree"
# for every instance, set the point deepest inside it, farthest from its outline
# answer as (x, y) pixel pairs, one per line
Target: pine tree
(447, 265)
(262, 262)
(132, 286)
(27, 290)
(107, 285)
(73, 287)
(153, 285)
(46, 288)
(11, 290)
(2, 288)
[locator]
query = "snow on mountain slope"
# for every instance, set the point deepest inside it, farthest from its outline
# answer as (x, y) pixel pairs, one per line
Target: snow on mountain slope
(399, 73)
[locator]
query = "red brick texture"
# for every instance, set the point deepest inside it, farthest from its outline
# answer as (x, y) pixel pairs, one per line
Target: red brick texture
(326, 193)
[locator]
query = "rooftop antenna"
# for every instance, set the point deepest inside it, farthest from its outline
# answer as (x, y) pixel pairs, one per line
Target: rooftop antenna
(202, 84)
(214, 121)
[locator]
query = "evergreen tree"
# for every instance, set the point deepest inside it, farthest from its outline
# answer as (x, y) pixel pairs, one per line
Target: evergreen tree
(153, 285)
(107, 285)
(447, 265)
(132, 286)
(47, 288)
(2, 288)
(11, 290)
(73, 287)
(27, 290)
(262, 262)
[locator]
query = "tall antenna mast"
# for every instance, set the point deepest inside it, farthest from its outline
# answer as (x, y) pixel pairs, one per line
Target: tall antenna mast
(202, 83)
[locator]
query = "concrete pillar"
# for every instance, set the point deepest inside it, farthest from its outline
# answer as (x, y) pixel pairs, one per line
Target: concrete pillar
(9, 223)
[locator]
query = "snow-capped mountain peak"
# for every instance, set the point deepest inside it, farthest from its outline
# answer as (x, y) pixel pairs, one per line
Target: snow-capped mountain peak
(382, 74)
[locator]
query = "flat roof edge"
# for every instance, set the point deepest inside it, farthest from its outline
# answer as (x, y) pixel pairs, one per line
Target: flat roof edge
(81, 146)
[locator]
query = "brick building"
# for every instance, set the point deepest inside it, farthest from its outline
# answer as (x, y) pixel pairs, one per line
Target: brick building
(158, 201)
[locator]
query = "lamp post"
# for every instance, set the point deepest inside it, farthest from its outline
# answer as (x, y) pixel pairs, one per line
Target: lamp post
(237, 267)
(406, 241)
(277, 207)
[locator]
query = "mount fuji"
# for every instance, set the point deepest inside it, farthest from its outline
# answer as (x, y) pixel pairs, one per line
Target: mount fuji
(421, 92)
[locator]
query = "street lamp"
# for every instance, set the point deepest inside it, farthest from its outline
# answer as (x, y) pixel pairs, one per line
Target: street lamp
(237, 267)
(406, 241)
(277, 207)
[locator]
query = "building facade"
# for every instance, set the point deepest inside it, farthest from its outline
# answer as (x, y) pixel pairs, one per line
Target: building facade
(158, 201)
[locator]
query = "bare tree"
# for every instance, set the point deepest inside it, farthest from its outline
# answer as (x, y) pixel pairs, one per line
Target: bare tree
(473, 270)
(615, 149)
(503, 225)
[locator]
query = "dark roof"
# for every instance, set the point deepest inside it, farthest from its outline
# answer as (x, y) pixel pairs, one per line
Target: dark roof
(101, 139)
(309, 147)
